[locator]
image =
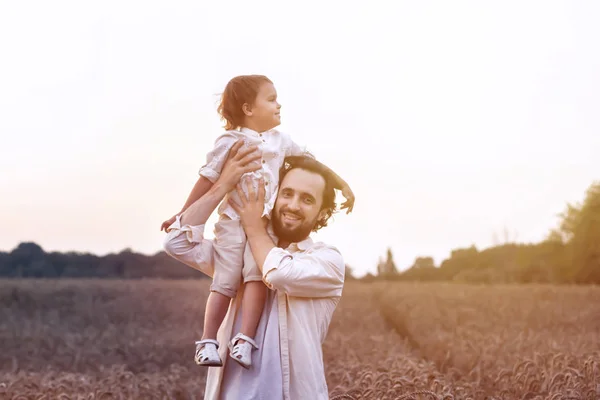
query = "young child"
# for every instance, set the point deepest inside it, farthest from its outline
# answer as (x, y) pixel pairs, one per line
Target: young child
(250, 111)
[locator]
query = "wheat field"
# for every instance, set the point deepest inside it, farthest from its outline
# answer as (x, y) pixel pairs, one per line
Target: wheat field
(118, 339)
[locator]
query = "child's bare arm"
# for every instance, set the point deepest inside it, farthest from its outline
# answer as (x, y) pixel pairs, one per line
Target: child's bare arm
(343, 186)
(200, 188)
(208, 173)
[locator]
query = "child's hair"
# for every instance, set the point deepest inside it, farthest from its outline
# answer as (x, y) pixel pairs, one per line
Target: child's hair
(241, 89)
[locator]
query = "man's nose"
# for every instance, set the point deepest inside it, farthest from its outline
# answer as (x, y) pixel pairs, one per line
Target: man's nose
(294, 204)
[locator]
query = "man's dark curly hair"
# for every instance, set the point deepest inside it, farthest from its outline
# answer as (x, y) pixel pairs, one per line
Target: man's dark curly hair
(310, 164)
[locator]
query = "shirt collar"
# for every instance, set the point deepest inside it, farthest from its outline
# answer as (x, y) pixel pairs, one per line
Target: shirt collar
(302, 245)
(252, 132)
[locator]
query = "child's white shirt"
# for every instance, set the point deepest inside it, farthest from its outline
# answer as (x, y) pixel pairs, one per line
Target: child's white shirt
(274, 146)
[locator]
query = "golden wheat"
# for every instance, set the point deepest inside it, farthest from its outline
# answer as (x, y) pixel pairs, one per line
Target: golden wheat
(510, 342)
(114, 339)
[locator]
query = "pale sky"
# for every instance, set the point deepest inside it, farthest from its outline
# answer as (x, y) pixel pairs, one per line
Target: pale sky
(451, 120)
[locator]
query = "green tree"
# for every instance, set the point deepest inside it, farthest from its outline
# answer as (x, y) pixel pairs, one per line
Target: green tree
(387, 268)
(580, 226)
(423, 269)
(349, 273)
(424, 263)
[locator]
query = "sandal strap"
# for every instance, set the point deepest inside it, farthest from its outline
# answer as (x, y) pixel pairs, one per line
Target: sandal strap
(241, 336)
(205, 341)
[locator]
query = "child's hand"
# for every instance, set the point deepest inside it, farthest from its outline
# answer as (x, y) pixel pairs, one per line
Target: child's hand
(349, 203)
(168, 223)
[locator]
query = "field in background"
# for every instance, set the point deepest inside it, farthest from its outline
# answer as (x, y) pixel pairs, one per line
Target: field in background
(122, 339)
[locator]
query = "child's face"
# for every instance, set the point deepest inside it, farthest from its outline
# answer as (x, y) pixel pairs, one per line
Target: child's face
(264, 113)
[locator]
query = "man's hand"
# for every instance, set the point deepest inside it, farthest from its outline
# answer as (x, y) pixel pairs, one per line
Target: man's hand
(238, 163)
(251, 209)
(250, 212)
(349, 203)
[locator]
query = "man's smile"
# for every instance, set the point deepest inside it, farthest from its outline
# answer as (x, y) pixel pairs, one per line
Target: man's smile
(290, 217)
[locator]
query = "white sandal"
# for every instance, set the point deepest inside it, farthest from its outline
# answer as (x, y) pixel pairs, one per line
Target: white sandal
(242, 352)
(207, 354)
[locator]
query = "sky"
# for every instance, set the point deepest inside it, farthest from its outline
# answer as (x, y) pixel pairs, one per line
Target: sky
(456, 123)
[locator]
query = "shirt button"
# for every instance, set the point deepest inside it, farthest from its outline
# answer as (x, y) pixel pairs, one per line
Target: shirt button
(263, 161)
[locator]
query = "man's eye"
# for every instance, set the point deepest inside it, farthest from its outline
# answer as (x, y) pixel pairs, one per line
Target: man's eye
(308, 200)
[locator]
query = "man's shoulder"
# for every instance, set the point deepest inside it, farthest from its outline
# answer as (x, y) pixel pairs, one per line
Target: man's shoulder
(331, 250)
(323, 245)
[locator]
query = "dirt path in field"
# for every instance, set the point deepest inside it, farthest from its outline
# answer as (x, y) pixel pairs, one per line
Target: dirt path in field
(368, 355)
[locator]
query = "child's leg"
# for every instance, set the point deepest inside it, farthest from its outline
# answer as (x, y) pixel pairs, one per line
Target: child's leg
(214, 314)
(253, 300)
(255, 294)
(253, 303)
(255, 291)
(228, 258)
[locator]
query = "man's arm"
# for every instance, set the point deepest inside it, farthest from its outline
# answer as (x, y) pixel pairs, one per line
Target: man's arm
(187, 245)
(238, 163)
(319, 273)
(255, 227)
(185, 238)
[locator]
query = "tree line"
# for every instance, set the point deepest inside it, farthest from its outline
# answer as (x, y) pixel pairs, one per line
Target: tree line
(29, 260)
(569, 254)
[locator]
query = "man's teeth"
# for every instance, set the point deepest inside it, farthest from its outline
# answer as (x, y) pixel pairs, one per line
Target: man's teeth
(289, 216)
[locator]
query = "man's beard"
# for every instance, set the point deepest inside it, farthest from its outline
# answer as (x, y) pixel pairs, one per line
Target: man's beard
(294, 235)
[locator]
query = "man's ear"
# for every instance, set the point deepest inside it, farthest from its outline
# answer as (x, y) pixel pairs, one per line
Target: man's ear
(322, 217)
(247, 109)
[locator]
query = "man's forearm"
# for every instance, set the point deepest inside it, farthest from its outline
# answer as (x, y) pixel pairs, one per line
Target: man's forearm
(261, 245)
(199, 212)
